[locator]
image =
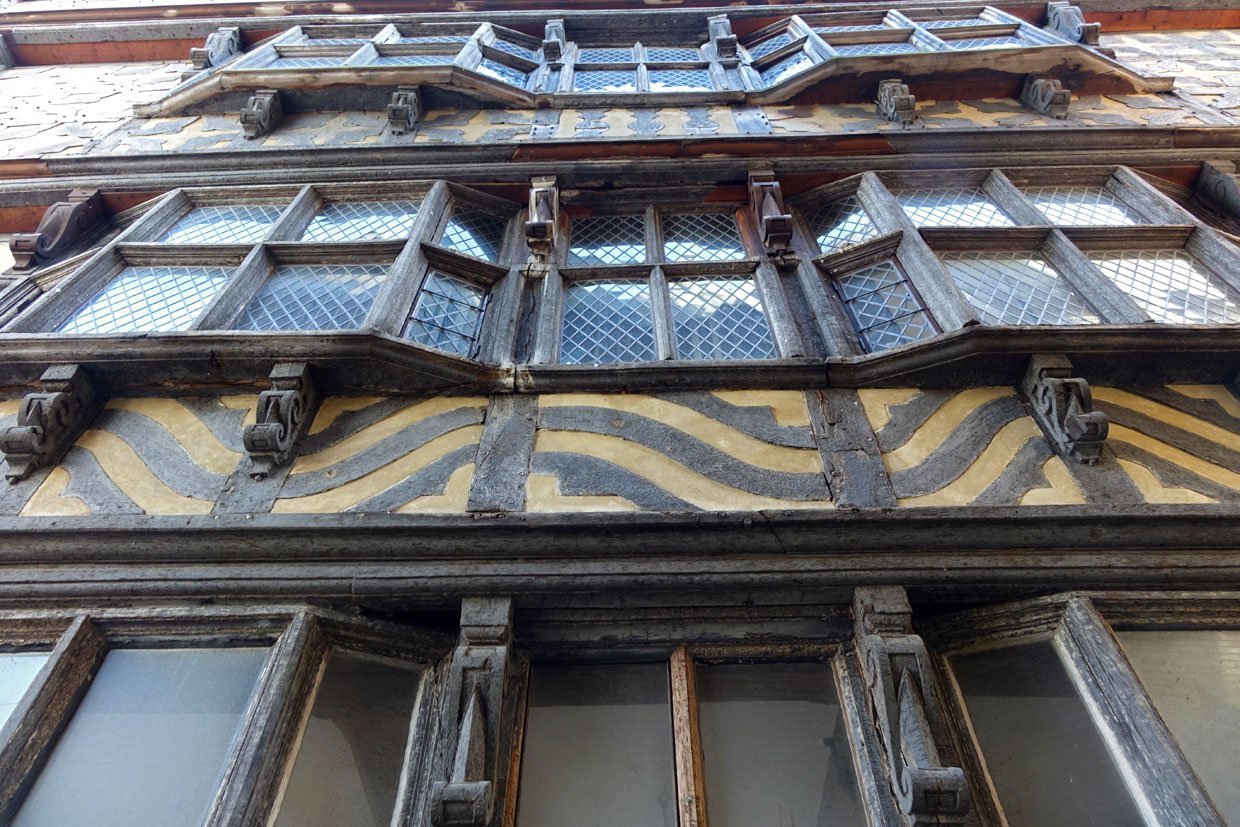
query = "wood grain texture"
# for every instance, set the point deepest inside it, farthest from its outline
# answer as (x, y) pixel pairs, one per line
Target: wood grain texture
(687, 740)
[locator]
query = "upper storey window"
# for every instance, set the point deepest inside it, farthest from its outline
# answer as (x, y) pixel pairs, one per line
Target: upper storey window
(640, 68)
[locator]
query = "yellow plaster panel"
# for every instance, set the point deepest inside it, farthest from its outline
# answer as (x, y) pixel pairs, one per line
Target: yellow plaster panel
(1218, 394)
(788, 407)
(1187, 461)
(878, 402)
(542, 495)
(331, 408)
(249, 404)
(187, 429)
(50, 499)
(985, 469)
(939, 426)
(1169, 415)
(453, 500)
(1063, 490)
(1154, 491)
(129, 473)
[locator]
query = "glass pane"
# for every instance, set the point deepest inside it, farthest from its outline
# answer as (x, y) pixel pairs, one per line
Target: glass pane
(678, 80)
(607, 239)
(1046, 759)
(327, 62)
(448, 314)
(501, 72)
(965, 207)
(155, 299)
(863, 49)
(415, 60)
(701, 237)
(1171, 286)
(605, 81)
(475, 233)
(793, 64)
(719, 319)
(1000, 42)
(314, 297)
(17, 671)
(1016, 288)
(607, 322)
(598, 748)
(516, 49)
(775, 747)
(771, 44)
(376, 220)
(589, 55)
(840, 224)
(1082, 206)
(148, 743)
(222, 225)
(353, 748)
(883, 307)
(1194, 680)
(671, 54)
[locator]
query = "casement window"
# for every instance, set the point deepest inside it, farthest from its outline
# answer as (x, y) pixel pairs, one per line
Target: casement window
(640, 68)
(214, 717)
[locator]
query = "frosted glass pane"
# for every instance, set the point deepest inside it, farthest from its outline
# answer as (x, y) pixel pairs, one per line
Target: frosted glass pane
(348, 768)
(598, 748)
(17, 671)
(774, 747)
(1194, 680)
(1042, 750)
(148, 742)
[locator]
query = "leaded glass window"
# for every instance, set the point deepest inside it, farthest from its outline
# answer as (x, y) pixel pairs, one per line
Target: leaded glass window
(701, 237)
(448, 314)
(671, 54)
(372, 220)
(840, 224)
(770, 45)
(607, 239)
(149, 299)
(884, 307)
(1016, 288)
(606, 322)
(679, 80)
(1082, 206)
(475, 233)
(954, 207)
(314, 297)
(415, 60)
(604, 55)
(719, 318)
(1171, 285)
(238, 224)
(607, 80)
(862, 49)
(502, 72)
(783, 69)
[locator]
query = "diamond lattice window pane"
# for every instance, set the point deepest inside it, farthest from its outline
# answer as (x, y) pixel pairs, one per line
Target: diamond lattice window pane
(862, 49)
(325, 62)
(374, 220)
(953, 24)
(607, 239)
(314, 297)
(514, 49)
(1016, 288)
(336, 41)
(604, 55)
(719, 318)
(1082, 206)
(1002, 42)
(840, 224)
(501, 72)
(475, 233)
(222, 225)
(606, 322)
(793, 64)
(448, 314)
(701, 237)
(678, 80)
(961, 207)
(149, 299)
(884, 308)
(415, 60)
(1171, 286)
(605, 81)
(771, 44)
(671, 54)
(436, 38)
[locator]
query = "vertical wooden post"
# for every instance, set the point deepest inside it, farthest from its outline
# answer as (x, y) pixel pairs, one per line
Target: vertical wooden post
(687, 737)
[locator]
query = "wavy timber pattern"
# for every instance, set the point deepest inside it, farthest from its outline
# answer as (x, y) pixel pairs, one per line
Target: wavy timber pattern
(965, 447)
(730, 450)
(1179, 443)
(148, 456)
(389, 455)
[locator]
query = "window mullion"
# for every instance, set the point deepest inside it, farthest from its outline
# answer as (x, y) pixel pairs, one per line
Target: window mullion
(550, 318)
(296, 217)
(687, 739)
(45, 709)
(230, 301)
(661, 308)
(1113, 304)
(265, 743)
(1012, 201)
(834, 325)
(395, 300)
(778, 311)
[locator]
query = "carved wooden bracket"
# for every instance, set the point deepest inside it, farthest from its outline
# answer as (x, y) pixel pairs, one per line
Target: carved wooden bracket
(906, 708)
(48, 423)
(540, 228)
(721, 36)
(262, 113)
(554, 39)
(473, 700)
(404, 110)
(1046, 96)
(1069, 21)
(283, 414)
(895, 103)
(1064, 407)
(221, 45)
(62, 225)
(1217, 183)
(766, 206)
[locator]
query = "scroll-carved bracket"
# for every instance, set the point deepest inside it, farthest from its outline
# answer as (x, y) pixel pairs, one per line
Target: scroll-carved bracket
(1068, 20)
(1217, 183)
(1064, 408)
(554, 40)
(64, 223)
(283, 414)
(404, 110)
(220, 46)
(262, 113)
(766, 207)
(1046, 96)
(721, 37)
(540, 228)
(895, 103)
(474, 697)
(901, 692)
(48, 423)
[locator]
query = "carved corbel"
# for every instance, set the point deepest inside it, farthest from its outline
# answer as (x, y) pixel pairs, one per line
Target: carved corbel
(283, 414)
(1217, 183)
(473, 702)
(1068, 21)
(721, 36)
(1046, 96)
(48, 423)
(540, 229)
(63, 224)
(1064, 407)
(895, 103)
(906, 708)
(262, 113)
(404, 110)
(554, 40)
(766, 207)
(220, 46)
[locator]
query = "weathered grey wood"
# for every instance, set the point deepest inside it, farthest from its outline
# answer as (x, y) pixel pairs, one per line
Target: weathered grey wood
(296, 216)
(1012, 201)
(549, 316)
(1160, 777)
(504, 454)
(58, 305)
(778, 312)
(876, 796)
(687, 741)
(830, 317)
(44, 711)
(395, 299)
(850, 455)
(498, 338)
(239, 292)
(1111, 303)
(661, 313)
